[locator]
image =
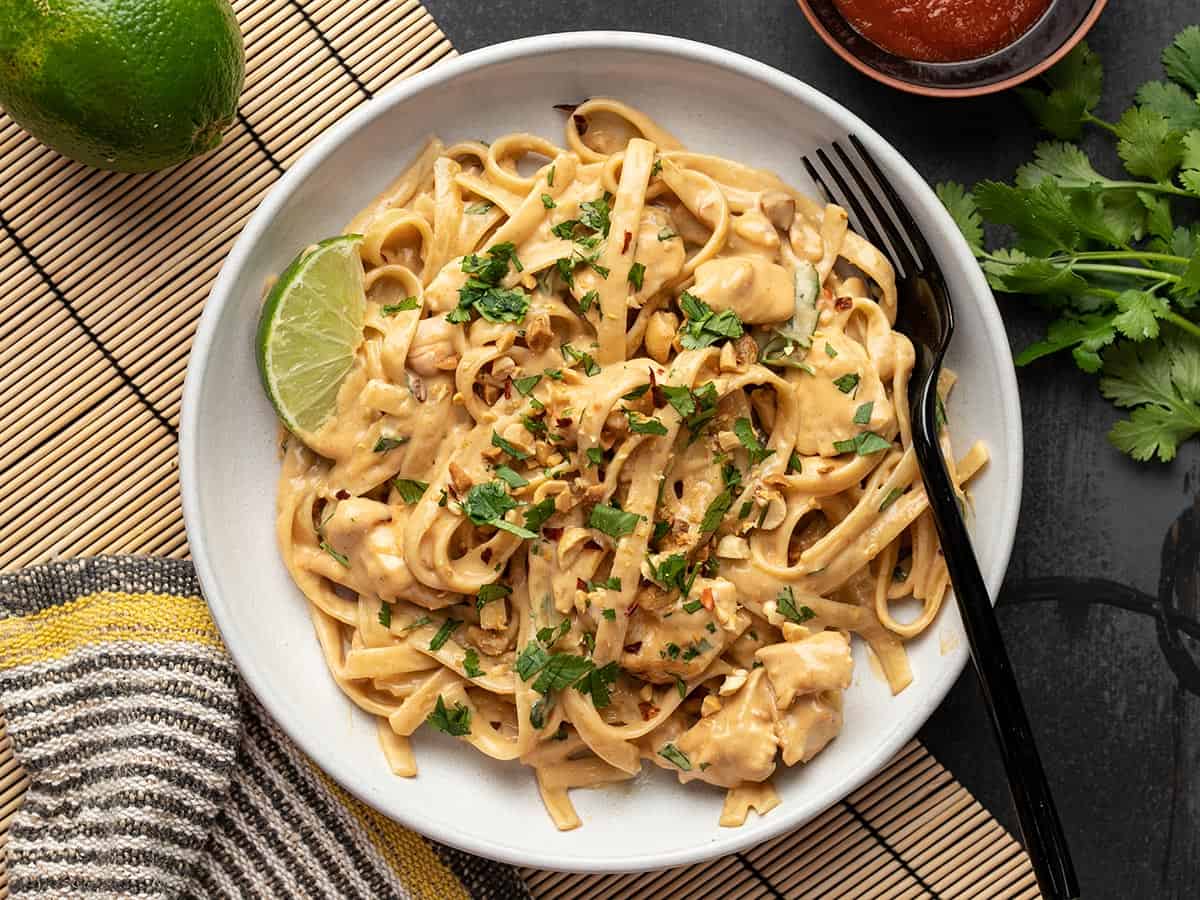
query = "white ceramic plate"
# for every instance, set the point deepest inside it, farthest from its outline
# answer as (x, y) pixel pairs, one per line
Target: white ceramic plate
(714, 101)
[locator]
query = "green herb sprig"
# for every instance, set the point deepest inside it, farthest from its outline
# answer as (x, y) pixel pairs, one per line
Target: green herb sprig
(1109, 255)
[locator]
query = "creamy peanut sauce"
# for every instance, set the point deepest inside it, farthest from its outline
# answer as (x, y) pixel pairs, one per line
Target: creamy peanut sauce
(684, 405)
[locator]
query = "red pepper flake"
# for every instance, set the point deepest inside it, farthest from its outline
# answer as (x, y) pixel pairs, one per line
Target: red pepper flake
(648, 710)
(841, 304)
(633, 648)
(552, 532)
(564, 422)
(343, 495)
(486, 555)
(706, 599)
(581, 124)
(628, 238)
(580, 585)
(629, 612)
(508, 388)
(566, 107)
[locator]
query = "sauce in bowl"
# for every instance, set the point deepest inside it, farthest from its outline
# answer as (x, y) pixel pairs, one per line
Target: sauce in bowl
(942, 30)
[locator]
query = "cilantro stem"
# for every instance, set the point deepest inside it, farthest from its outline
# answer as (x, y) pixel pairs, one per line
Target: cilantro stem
(1130, 271)
(1180, 322)
(1092, 119)
(1126, 254)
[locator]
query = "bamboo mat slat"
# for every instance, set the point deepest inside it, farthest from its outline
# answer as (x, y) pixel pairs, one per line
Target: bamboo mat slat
(103, 279)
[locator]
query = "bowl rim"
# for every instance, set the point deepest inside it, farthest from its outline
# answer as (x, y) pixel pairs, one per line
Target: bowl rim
(327, 143)
(979, 90)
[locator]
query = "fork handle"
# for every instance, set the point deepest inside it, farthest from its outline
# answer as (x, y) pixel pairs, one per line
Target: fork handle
(1038, 818)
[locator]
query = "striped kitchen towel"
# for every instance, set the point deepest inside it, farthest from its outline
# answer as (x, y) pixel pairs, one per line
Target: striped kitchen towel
(155, 772)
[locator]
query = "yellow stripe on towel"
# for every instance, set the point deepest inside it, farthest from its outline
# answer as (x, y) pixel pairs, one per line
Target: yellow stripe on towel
(411, 858)
(103, 618)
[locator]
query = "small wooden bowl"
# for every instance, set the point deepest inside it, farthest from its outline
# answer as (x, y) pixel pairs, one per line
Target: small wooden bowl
(1062, 27)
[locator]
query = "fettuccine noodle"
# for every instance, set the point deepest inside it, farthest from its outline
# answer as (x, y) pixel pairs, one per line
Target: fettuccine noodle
(623, 462)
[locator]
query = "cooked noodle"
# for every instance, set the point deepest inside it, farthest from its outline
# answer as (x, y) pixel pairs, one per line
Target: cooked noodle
(680, 376)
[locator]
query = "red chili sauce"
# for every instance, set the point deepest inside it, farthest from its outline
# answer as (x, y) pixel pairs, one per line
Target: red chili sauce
(942, 30)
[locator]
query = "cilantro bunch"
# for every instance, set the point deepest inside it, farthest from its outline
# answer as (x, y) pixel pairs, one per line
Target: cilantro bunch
(1117, 259)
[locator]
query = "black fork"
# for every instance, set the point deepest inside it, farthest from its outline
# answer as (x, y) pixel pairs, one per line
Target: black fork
(926, 316)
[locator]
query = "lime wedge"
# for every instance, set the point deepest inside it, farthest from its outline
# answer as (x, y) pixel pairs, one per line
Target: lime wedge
(309, 330)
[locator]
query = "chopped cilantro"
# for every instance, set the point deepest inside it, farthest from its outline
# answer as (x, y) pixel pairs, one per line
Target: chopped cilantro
(573, 356)
(614, 522)
(637, 273)
(893, 495)
(478, 209)
(594, 455)
(716, 511)
(443, 634)
(676, 757)
(526, 384)
(665, 234)
(785, 603)
(513, 451)
(829, 351)
(455, 722)
(703, 327)
(863, 444)
(745, 434)
(847, 383)
(340, 557)
(536, 515)
(385, 615)
(510, 477)
(610, 614)
(390, 309)
(410, 489)
(862, 415)
(490, 592)
(548, 201)
(640, 424)
(384, 444)
(471, 664)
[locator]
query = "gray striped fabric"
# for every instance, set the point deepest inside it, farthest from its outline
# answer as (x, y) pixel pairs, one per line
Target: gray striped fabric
(155, 773)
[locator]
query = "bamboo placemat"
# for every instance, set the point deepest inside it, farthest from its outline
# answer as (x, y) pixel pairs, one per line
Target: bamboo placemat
(102, 279)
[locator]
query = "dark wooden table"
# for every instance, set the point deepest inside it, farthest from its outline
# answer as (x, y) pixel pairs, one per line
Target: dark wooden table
(1119, 731)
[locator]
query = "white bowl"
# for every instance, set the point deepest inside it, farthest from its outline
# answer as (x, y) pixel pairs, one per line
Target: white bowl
(714, 101)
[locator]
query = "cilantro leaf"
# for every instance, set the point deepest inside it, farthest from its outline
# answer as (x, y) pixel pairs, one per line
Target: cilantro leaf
(1172, 102)
(676, 757)
(1161, 383)
(515, 452)
(487, 502)
(409, 489)
(1148, 145)
(536, 515)
(1041, 215)
(639, 424)
(1139, 314)
(490, 592)
(716, 511)
(1085, 335)
(703, 327)
(1075, 85)
(443, 634)
(614, 522)
(744, 431)
(1182, 58)
(471, 663)
(960, 203)
(455, 722)
(785, 603)
(560, 671)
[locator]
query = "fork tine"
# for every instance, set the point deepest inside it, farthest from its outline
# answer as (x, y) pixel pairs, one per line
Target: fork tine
(816, 177)
(924, 254)
(863, 223)
(900, 248)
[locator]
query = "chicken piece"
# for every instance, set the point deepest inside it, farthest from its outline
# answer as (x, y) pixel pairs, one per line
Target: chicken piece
(841, 386)
(363, 531)
(808, 726)
(435, 342)
(738, 742)
(821, 662)
(658, 649)
(757, 290)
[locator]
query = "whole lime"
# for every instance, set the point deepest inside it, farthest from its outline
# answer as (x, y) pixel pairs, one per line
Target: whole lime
(131, 85)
